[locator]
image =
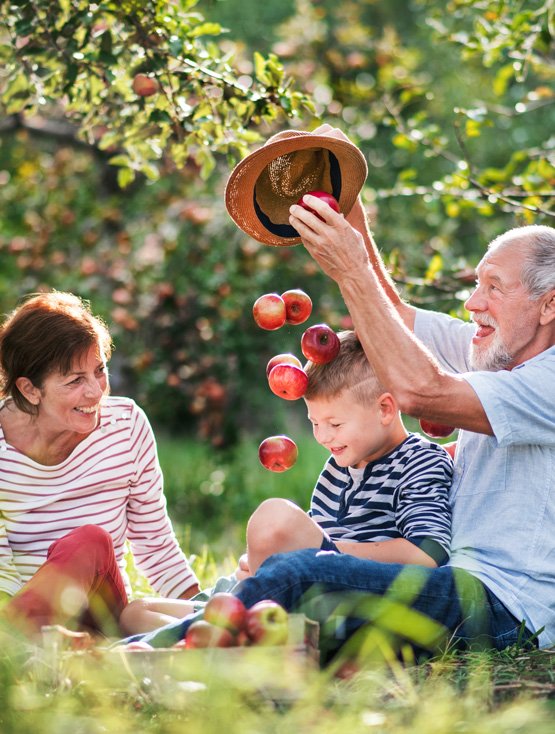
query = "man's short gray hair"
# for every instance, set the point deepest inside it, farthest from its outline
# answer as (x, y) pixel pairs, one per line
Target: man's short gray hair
(538, 270)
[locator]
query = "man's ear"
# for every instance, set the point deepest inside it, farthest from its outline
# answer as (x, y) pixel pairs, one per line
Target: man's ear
(547, 311)
(388, 408)
(31, 393)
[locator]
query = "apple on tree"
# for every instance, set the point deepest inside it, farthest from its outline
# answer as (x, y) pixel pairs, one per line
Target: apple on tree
(435, 430)
(285, 358)
(320, 344)
(298, 306)
(269, 311)
(267, 623)
(288, 381)
(145, 86)
(278, 453)
(324, 196)
(225, 610)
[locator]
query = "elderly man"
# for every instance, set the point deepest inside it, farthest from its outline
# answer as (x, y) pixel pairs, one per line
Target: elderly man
(495, 380)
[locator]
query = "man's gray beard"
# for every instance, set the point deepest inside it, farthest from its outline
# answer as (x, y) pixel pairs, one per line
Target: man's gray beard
(491, 360)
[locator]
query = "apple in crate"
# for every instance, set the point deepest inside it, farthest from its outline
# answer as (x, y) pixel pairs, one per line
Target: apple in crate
(138, 646)
(269, 311)
(329, 199)
(203, 634)
(285, 358)
(278, 453)
(287, 381)
(435, 430)
(320, 344)
(267, 623)
(298, 306)
(225, 610)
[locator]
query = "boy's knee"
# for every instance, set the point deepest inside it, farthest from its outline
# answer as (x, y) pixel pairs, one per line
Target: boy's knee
(272, 519)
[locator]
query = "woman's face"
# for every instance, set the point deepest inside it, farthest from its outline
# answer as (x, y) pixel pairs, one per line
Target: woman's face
(71, 402)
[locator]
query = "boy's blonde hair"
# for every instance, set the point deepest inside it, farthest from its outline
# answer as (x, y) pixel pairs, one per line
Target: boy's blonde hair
(350, 370)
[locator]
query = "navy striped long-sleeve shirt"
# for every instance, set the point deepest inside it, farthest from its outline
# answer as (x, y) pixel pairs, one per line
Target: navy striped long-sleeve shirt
(403, 494)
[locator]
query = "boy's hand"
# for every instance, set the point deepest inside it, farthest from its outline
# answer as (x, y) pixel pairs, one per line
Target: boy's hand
(243, 570)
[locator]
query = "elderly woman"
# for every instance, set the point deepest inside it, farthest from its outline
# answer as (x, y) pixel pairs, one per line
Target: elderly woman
(79, 476)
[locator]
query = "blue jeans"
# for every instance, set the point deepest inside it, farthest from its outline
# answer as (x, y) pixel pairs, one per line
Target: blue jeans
(430, 609)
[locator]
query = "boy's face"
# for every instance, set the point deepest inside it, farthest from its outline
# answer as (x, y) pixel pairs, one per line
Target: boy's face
(355, 434)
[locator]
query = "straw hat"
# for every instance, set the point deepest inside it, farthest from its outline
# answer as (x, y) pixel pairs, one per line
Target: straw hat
(262, 187)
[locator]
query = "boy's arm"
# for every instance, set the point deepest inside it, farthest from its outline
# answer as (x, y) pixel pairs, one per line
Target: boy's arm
(396, 550)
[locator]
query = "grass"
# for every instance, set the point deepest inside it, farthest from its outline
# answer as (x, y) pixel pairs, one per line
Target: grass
(210, 496)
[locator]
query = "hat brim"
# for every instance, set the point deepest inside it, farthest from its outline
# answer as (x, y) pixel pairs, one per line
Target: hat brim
(349, 171)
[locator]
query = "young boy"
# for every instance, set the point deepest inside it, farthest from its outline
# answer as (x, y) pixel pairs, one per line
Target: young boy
(382, 494)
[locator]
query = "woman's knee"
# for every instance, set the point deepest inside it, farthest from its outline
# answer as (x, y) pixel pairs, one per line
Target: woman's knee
(87, 539)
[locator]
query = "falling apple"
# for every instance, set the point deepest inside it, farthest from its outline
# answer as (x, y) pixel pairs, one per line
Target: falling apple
(435, 430)
(285, 358)
(287, 381)
(298, 306)
(278, 453)
(267, 623)
(323, 196)
(145, 86)
(269, 311)
(320, 344)
(225, 610)
(203, 634)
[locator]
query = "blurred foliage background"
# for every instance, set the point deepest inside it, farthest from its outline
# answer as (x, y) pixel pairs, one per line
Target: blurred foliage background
(119, 198)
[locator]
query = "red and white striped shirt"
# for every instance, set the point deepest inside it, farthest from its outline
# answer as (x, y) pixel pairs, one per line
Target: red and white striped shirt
(111, 479)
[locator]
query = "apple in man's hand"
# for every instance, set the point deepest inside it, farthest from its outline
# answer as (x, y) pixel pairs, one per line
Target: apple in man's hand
(203, 634)
(323, 196)
(267, 623)
(435, 430)
(320, 344)
(287, 381)
(298, 306)
(285, 358)
(225, 610)
(145, 86)
(278, 453)
(269, 311)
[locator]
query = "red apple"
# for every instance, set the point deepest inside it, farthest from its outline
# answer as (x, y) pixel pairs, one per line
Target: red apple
(320, 344)
(225, 610)
(278, 453)
(282, 359)
(323, 196)
(298, 306)
(203, 634)
(435, 430)
(267, 623)
(269, 311)
(145, 86)
(287, 381)
(137, 646)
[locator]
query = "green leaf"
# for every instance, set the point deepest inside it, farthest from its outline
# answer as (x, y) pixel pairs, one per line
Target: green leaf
(126, 176)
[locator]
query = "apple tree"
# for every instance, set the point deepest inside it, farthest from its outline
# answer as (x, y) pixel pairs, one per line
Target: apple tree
(142, 80)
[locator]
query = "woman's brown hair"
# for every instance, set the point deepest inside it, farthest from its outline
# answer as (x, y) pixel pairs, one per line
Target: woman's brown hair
(46, 334)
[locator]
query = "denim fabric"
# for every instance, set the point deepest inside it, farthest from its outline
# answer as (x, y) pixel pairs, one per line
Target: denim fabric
(344, 593)
(430, 609)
